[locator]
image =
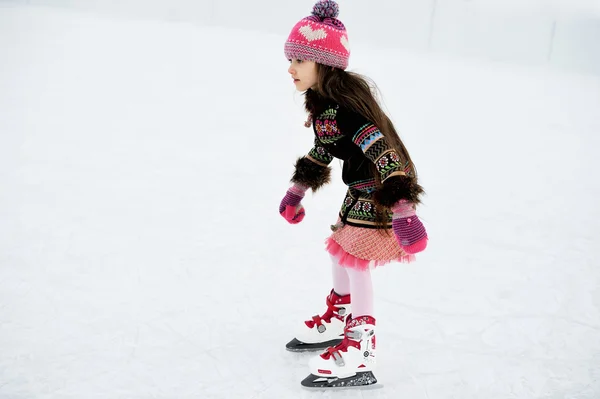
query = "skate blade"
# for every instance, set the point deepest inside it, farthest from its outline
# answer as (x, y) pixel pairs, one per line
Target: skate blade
(361, 380)
(298, 346)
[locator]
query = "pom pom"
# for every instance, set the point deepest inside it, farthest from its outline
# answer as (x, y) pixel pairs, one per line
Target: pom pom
(326, 9)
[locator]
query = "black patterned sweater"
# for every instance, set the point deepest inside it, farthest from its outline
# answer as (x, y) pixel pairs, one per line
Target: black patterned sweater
(346, 135)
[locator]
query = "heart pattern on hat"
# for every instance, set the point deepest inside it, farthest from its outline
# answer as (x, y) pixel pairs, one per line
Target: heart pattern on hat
(344, 41)
(310, 34)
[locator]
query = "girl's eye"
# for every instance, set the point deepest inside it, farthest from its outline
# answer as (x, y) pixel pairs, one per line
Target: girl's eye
(299, 61)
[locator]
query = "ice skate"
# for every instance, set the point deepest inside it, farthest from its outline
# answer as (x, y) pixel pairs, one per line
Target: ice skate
(323, 331)
(349, 364)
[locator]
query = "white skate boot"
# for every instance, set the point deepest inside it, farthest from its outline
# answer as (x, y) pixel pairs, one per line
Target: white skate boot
(323, 331)
(349, 364)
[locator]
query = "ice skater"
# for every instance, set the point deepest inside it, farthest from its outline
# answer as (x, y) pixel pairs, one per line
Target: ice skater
(377, 223)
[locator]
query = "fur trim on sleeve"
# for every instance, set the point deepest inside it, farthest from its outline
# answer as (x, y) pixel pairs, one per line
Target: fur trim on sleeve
(398, 188)
(311, 174)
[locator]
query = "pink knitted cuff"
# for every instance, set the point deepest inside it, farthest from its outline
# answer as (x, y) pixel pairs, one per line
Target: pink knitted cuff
(403, 209)
(298, 189)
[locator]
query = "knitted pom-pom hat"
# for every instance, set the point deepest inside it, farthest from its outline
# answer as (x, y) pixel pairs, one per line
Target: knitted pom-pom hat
(320, 37)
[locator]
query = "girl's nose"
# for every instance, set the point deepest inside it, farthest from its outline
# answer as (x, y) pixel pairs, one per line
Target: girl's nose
(291, 70)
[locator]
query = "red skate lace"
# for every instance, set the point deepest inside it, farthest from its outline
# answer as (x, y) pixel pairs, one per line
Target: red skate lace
(341, 347)
(331, 312)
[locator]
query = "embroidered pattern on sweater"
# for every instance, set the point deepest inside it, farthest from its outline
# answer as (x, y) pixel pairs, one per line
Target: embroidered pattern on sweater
(320, 154)
(372, 142)
(361, 212)
(326, 127)
(368, 185)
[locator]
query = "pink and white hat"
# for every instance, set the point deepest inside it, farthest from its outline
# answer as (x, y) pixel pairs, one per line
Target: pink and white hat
(320, 37)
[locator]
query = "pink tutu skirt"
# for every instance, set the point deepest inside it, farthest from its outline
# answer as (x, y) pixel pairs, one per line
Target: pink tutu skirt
(363, 248)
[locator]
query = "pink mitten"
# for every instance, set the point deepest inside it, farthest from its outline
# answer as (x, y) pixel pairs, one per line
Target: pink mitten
(290, 207)
(409, 230)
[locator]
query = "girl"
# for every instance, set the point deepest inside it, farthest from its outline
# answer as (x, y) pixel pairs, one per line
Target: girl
(377, 223)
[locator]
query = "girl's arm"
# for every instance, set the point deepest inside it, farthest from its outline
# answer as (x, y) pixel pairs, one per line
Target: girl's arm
(394, 172)
(312, 170)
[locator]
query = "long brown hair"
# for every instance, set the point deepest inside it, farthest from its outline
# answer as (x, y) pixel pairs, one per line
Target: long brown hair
(359, 94)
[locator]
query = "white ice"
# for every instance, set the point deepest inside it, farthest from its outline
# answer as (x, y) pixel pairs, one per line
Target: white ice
(142, 256)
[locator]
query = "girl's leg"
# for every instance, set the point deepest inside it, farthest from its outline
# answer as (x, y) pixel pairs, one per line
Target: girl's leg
(361, 292)
(341, 283)
(357, 350)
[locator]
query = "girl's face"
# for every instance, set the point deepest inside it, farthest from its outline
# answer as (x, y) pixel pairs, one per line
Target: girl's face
(304, 74)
